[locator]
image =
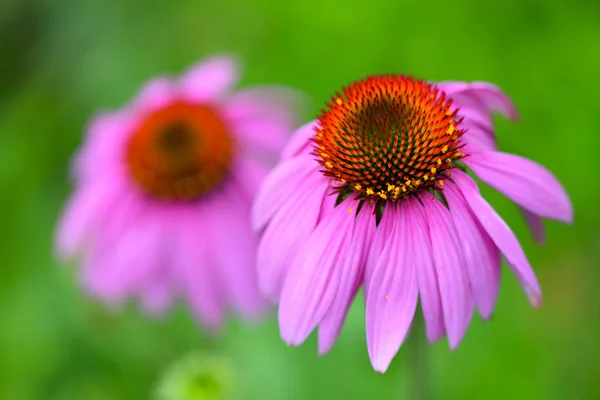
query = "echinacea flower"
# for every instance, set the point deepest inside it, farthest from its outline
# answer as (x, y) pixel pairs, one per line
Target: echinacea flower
(164, 188)
(375, 193)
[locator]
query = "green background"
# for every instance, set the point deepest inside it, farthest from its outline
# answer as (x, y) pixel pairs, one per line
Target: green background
(61, 61)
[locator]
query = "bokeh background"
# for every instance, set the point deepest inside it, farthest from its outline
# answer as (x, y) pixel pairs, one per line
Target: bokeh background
(61, 61)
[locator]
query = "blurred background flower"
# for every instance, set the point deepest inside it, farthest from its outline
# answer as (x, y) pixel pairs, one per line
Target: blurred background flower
(199, 376)
(63, 60)
(161, 210)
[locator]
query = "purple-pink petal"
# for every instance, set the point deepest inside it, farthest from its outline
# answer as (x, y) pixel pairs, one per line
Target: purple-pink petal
(279, 187)
(313, 279)
(536, 225)
(284, 236)
(194, 270)
(393, 293)
(352, 265)
(300, 142)
(481, 254)
(525, 182)
(480, 94)
(429, 290)
(448, 257)
(502, 236)
(231, 245)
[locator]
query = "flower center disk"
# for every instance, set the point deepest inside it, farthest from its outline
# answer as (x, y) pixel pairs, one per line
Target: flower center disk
(180, 152)
(387, 137)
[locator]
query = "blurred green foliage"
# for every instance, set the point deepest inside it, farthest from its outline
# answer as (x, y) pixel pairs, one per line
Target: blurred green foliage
(62, 61)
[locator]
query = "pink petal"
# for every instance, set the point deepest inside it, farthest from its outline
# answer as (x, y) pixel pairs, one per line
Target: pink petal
(456, 295)
(194, 269)
(429, 291)
(285, 235)
(536, 225)
(481, 254)
(393, 293)
(380, 235)
(300, 142)
(484, 94)
(83, 214)
(525, 182)
(211, 79)
(314, 277)
(352, 265)
(280, 186)
(263, 117)
(232, 249)
(247, 175)
(502, 236)
(155, 94)
(156, 295)
(103, 150)
(123, 259)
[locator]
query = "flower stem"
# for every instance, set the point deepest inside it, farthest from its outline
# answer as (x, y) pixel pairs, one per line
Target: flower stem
(418, 374)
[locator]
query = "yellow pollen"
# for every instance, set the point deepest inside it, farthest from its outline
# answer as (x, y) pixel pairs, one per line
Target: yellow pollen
(383, 195)
(404, 188)
(426, 177)
(439, 161)
(445, 149)
(448, 113)
(433, 170)
(441, 182)
(339, 101)
(349, 211)
(357, 187)
(450, 130)
(324, 155)
(328, 164)
(391, 187)
(370, 191)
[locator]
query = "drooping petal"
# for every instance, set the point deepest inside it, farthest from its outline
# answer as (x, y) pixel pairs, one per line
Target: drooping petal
(449, 260)
(279, 187)
(525, 182)
(429, 290)
(102, 153)
(284, 237)
(156, 295)
(120, 261)
(393, 293)
(232, 247)
(481, 254)
(85, 211)
(210, 79)
(502, 236)
(314, 277)
(380, 235)
(536, 225)
(352, 265)
(300, 142)
(194, 270)
(477, 94)
(263, 117)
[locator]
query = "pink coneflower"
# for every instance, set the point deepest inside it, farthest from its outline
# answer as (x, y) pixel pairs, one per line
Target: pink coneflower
(164, 191)
(375, 193)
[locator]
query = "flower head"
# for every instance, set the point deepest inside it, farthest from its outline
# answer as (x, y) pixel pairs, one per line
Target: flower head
(375, 193)
(197, 376)
(164, 190)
